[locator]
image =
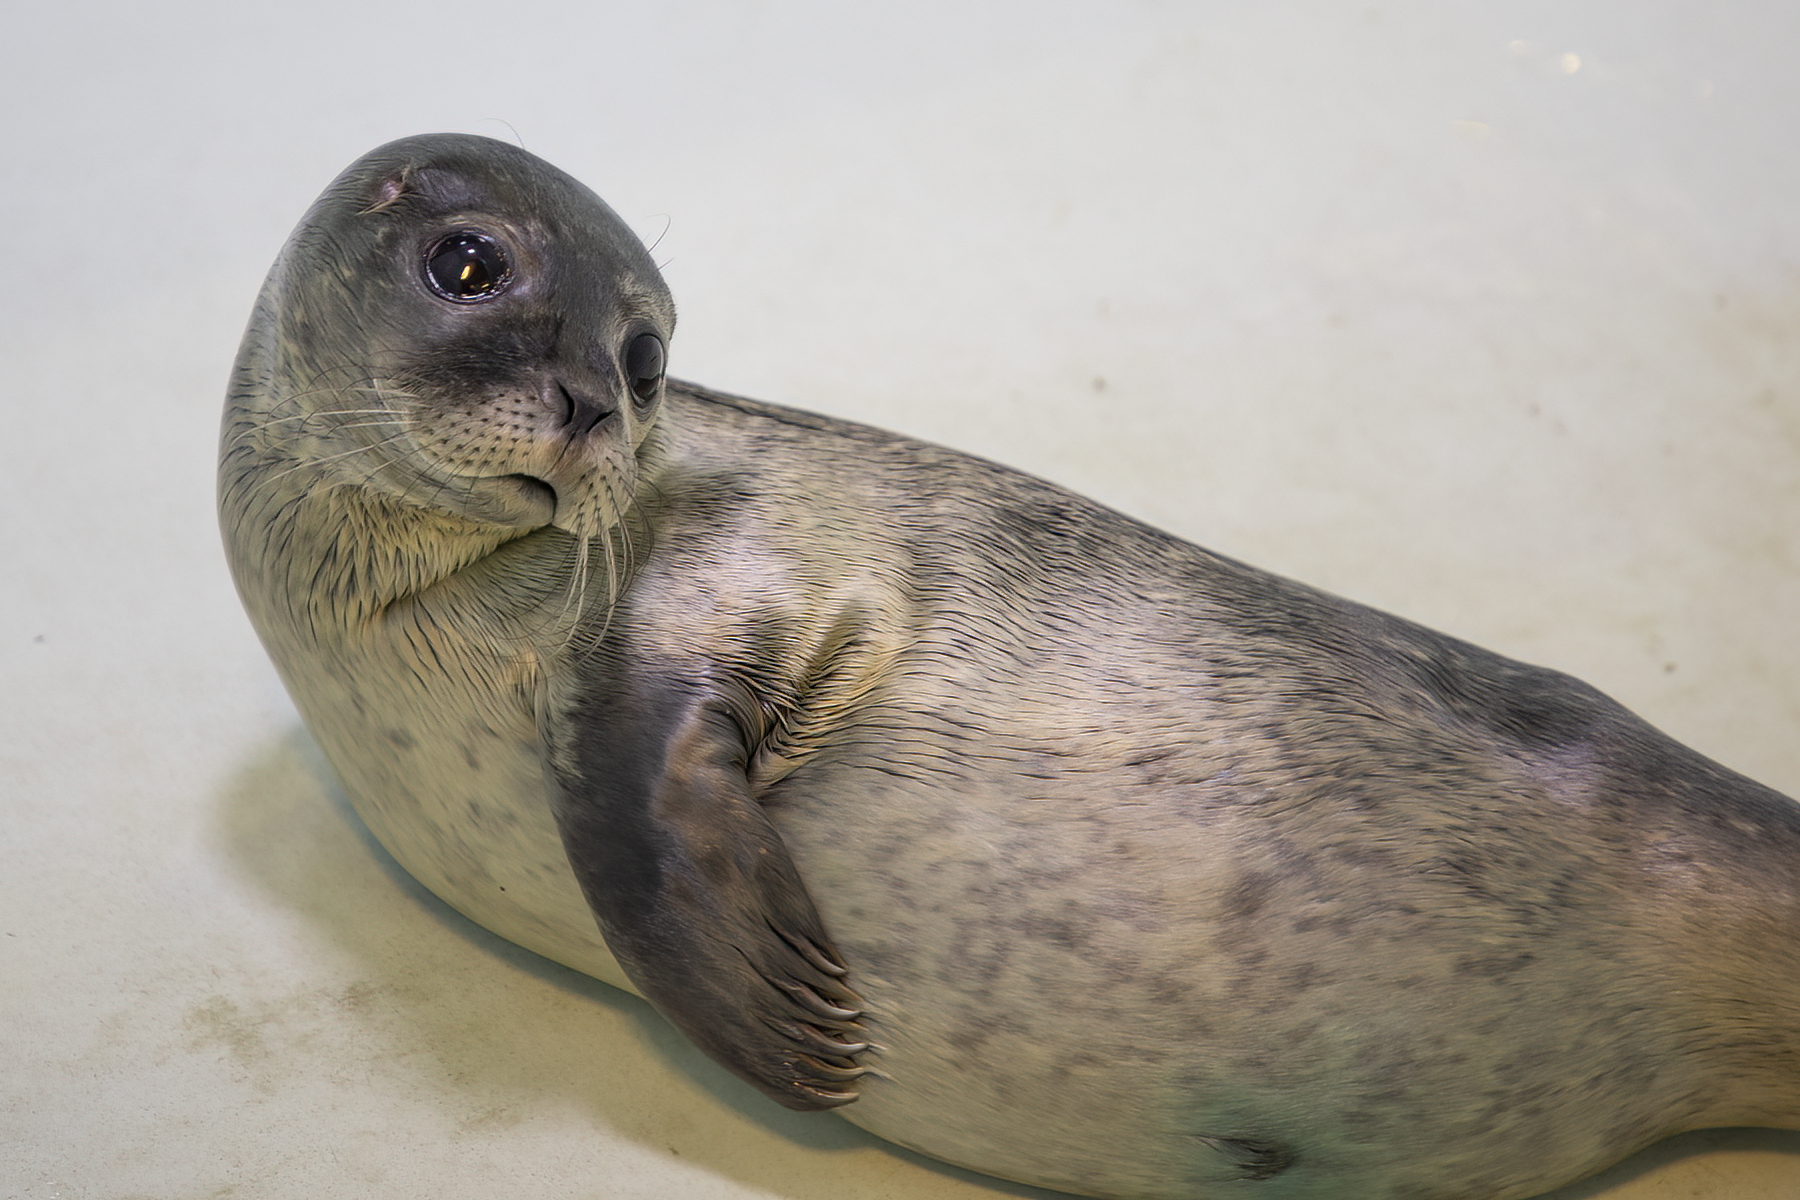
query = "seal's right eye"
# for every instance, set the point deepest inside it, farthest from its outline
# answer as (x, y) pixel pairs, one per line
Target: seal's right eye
(467, 267)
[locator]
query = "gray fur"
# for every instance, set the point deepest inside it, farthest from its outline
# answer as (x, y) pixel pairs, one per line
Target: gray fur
(1152, 875)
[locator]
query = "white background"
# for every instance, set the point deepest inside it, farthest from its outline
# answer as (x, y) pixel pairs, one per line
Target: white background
(1488, 314)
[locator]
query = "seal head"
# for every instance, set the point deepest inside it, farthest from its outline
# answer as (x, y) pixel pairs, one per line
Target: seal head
(477, 332)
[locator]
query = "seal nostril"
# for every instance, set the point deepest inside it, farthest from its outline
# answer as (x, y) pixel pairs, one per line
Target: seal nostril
(579, 414)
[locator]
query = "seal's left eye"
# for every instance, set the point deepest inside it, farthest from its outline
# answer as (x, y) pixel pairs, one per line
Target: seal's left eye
(644, 366)
(467, 267)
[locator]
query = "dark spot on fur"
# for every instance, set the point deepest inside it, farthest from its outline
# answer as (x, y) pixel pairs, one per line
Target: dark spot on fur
(1056, 932)
(400, 738)
(968, 1042)
(1247, 896)
(1253, 1158)
(1494, 966)
(1302, 977)
(1249, 962)
(1168, 990)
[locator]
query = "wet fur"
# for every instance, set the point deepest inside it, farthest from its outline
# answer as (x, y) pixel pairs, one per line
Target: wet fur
(1150, 875)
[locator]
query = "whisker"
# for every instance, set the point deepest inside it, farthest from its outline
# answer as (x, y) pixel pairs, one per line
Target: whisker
(577, 593)
(668, 224)
(322, 414)
(319, 462)
(618, 569)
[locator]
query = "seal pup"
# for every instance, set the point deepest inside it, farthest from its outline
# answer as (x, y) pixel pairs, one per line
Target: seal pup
(1068, 851)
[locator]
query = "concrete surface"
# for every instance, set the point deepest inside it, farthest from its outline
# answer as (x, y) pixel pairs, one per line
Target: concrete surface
(1483, 313)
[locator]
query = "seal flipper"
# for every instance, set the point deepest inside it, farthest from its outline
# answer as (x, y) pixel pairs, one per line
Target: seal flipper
(695, 891)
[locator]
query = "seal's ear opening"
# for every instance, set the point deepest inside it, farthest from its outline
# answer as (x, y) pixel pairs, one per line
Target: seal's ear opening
(388, 191)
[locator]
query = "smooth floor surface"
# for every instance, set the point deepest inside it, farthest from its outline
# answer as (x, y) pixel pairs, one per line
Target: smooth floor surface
(1485, 314)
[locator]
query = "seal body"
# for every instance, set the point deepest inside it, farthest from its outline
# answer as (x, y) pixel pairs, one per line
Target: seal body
(1040, 841)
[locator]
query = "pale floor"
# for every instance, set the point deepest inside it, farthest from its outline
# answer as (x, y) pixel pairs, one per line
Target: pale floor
(1484, 314)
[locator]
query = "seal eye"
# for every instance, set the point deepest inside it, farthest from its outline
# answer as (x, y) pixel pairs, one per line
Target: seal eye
(467, 267)
(644, 366)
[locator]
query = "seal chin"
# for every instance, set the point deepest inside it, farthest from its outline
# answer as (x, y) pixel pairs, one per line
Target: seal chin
(515, 501)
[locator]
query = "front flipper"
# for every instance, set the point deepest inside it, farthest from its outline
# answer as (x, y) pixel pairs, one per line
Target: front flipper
(695, 891)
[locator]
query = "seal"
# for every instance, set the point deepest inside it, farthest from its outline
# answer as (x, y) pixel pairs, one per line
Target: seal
(1068, 851)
